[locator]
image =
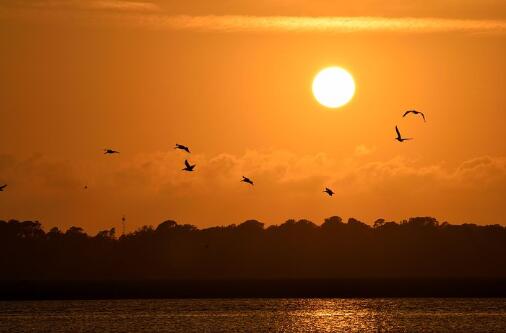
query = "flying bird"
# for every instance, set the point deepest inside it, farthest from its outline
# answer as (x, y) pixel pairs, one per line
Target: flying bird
(247, 180)
(178, 146)
(188, 166)
(415, 113)
(110, 151)
(2, 187)
(85, 187)
(329, 191)
(399, 136)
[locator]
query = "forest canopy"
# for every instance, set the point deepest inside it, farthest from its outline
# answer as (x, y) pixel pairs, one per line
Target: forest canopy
(417, 247)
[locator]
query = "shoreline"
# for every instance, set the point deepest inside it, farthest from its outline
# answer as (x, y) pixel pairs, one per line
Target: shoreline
(253, 288)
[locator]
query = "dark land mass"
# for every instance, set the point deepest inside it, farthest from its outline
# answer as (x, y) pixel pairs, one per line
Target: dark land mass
(412, 258)
(266, 288)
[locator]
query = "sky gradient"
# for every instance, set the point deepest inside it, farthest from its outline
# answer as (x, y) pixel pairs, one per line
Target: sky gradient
(232, 80)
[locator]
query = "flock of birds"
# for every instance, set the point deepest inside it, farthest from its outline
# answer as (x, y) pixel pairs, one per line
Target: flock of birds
(191, 167)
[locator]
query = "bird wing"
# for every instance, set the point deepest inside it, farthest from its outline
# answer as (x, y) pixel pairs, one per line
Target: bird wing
(398, 133)
(3, 186)
(423, 116)
(187, 164)
(405, 113)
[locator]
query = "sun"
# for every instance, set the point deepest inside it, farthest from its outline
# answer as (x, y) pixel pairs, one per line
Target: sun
(333, 87)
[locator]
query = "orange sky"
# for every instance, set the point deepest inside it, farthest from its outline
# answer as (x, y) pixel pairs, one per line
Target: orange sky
(232, 79)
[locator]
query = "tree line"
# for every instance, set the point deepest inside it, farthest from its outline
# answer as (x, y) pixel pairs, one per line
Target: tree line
(417, 247)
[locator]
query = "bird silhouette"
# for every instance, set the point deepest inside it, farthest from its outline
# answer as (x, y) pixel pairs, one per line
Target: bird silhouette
(329, 191)
(415, 113)
(247, 180)
(110, 151)
(85, 187)
(2, 187)
(188, 166)
(178, 146)
(399, 136)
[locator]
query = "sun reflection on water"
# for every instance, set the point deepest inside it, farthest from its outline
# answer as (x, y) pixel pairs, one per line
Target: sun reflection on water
(256, 315)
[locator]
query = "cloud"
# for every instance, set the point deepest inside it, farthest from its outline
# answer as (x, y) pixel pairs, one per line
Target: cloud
(230, 23)
(482, 171)
(478, 173)
(151, 187)
(148, 15)
(113, 5)
(363, 150)
(125, 5)
(155, 171)
(38, 173)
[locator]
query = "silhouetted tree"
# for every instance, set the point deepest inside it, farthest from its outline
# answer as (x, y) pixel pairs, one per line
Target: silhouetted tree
(378, 223)
(332, 222)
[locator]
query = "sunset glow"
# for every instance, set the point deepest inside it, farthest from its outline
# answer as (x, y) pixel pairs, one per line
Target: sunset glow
(298, 98)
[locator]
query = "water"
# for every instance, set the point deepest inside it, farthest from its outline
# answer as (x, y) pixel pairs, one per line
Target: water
(256, 315)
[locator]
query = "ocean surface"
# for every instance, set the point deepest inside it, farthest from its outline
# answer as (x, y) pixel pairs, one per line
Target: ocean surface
(256, 315)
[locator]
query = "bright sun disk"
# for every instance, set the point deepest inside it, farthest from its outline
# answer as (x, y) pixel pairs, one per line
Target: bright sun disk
(333, 87)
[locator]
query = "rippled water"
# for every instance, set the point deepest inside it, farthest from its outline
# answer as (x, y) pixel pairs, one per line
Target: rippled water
(256, 315)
